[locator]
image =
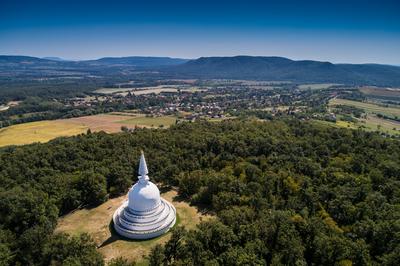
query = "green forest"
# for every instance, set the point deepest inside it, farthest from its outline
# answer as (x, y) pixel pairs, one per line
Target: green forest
(284, 192)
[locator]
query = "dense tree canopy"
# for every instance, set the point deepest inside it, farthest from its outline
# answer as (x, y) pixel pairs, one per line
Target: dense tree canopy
(284, 192)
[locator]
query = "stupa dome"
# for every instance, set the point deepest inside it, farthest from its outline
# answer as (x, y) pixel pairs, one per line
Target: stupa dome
(144, 214)
(143, 197)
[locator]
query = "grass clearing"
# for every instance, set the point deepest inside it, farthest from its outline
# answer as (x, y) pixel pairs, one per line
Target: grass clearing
(41, 131)
(97, 223)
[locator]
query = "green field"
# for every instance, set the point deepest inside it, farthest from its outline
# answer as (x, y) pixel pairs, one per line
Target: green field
(319, 86)
(374, 123)
(369, 122)
(148, 90)
(368, 107)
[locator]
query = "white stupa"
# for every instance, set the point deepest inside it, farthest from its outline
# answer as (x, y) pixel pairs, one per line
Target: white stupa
(144, 214)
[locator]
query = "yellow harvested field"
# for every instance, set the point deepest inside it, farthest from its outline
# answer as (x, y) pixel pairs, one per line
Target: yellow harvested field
(97, 223)
(44, 131)
(144, 121)
(41, 131)
(103, 122)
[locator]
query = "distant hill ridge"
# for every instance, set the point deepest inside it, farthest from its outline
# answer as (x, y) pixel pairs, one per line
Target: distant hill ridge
(140, 61)
(280, 68)
(236, 67)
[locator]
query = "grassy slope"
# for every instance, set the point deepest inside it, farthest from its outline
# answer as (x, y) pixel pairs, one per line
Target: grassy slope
(96, 222)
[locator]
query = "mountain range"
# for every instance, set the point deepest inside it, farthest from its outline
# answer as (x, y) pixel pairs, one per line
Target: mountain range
(284, 69)
(237, 67)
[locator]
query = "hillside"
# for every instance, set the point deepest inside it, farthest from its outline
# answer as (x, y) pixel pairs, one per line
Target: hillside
(24, 66)
(139, 61)
(283, 192)
(280, 68)
(237, 67)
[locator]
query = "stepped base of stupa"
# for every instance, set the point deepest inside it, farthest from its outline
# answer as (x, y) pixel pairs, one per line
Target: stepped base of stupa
(144, 225)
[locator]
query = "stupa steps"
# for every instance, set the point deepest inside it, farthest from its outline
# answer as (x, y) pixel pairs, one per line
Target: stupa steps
(130, 216)
(139, 225)
(168, 222)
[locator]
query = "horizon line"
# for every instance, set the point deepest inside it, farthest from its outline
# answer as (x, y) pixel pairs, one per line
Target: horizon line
(174, 57)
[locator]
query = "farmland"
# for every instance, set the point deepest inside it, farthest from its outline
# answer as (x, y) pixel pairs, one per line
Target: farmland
(162, 121)
(319, 86)
(148, 90)
(384, 93)
(371, 121)
(44, 131)
(368, 107)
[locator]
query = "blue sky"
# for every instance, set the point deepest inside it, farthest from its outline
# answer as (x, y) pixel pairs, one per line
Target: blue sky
(337, 31)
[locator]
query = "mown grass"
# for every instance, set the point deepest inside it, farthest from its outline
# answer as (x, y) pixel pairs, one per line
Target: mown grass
(97, 223)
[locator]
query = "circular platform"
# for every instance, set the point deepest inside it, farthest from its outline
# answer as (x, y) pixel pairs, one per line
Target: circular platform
(144, 225)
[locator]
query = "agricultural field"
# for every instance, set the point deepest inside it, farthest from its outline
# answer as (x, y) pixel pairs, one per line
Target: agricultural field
(368, 107)
(374, 123)
(41, 131)
(148, 90)
(44, 131)
(370, 121)
(317, 86)
(97, 223)
(161, 121)
(384, 93)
